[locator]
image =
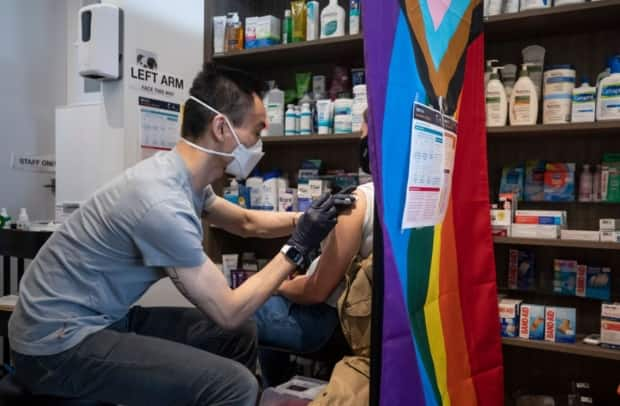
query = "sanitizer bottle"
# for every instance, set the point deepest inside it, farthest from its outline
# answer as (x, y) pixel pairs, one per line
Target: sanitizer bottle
(332, 20)
(496, 103)
(523, 100)
(23, 221)
(608, 98)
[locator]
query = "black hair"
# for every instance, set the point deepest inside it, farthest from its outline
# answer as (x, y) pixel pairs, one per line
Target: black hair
(230, 91)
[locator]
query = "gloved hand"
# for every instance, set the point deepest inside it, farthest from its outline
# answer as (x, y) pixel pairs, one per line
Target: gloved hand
(314, 225)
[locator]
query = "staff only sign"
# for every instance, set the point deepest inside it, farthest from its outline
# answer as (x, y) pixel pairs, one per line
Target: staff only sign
(33, 163)
(155, 82)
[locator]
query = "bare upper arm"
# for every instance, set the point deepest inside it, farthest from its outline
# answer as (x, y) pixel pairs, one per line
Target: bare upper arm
(341, 246)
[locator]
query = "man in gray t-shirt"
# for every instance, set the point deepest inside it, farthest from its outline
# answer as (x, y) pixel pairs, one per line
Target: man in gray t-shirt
(74, 332)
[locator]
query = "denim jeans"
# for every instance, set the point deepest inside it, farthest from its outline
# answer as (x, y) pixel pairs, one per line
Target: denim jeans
(154, 356)
(296, 328)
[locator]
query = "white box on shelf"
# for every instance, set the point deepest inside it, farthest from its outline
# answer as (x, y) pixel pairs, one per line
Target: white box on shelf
(610, 236)
(610, 324)
(609, 224)
(548, 232)
(580, 235)
(501, 217)
(555, 217)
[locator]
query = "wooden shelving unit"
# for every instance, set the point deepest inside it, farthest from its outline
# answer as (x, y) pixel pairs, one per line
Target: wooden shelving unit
(596, 129)
(579, 348)
(318, 51)
(315, 139)
(584, 35)
(595, 245)
(555, 20)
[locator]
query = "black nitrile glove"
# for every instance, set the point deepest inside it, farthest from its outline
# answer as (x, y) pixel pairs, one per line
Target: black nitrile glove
(343, 199)
(314, 225)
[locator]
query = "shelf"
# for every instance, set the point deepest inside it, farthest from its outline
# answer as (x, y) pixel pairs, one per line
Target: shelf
(581, 17)
(330, 50)
(312, 139)
(557, 243)
(557, 130)
(578, 348)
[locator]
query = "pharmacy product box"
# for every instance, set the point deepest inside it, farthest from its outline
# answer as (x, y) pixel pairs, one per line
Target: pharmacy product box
(609, 224)
(262, 31)
(610, 236)
(535, 231)
(545, 217)
(501, 217)
(304, 197)
(593, 282)
(560, 182)
(580, 235)
(560, 324)
(509, 317)
(521, 269)
(564, 276)
(317, 187)
(532, 322)
(512, 180)
(500, 231)
(287, 200)
(610, 325)
(534, 181)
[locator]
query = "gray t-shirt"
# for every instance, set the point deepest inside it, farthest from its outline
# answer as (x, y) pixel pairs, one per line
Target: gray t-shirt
(108, 253)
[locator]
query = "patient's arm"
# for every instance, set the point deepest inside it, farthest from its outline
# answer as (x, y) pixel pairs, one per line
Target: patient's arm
(340, 247)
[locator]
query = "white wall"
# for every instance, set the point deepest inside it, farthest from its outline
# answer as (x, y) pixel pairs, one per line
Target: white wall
(33, 71)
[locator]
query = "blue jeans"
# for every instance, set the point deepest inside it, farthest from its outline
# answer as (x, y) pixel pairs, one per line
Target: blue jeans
(292, 327)
(154, 356)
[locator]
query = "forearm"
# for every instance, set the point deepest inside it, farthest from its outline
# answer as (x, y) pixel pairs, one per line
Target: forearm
(248, 297)
(266, 224)
(298, 291)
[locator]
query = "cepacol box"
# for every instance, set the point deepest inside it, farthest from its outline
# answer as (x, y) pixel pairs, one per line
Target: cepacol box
(532, 322)
(560, 324)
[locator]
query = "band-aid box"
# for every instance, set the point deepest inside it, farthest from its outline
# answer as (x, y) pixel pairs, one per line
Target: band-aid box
(610, 325)
(509, 317)
(560, 324)
(564, 276)
(521, 269)
(532, 324)
(593, 282)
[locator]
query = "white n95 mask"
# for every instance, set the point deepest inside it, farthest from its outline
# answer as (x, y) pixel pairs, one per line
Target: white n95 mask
(244, 158)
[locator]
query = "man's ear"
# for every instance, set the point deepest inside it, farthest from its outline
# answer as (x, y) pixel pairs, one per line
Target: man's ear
(217, 128)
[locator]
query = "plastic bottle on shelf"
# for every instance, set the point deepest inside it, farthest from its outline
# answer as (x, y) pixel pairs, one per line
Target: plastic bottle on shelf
(5, 219)
(23, 221)
(305, 123)
(608, 95)
(360, 104)
(274, 103)
(523, 100)
(289, 120)
(287, 27)
(354, 17)
(297, 120)
(312, 23)
(596, 184)
(495, 101)
(584, 103)
(332, 20)
(585, 184)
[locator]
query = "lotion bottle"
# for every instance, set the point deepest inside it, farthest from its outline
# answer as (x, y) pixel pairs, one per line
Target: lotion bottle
(332, 20)
(496, 102)
(523, 100)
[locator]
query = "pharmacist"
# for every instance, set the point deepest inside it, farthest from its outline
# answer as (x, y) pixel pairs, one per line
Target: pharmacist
(74, 333)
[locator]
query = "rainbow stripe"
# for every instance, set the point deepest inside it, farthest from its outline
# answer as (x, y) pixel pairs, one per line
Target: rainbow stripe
(440, 342)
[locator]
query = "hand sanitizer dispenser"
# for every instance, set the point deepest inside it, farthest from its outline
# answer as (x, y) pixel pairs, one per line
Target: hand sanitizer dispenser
(99, 41)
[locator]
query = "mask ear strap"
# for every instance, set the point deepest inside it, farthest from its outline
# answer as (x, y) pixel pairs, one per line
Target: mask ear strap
(206, 106)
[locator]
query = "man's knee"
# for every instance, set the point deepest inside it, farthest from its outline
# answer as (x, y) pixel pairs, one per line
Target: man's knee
(241, 388)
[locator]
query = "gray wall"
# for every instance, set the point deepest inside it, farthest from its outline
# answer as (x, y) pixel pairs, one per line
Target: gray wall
(33, 40)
